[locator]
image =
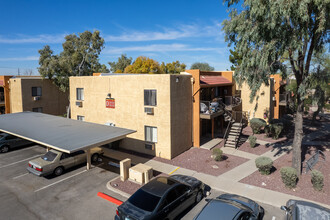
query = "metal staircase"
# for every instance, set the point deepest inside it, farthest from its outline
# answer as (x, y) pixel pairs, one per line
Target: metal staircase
(234, 129)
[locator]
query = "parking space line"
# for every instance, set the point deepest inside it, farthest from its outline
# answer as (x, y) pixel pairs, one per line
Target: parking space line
(52, 184)
(7, 165)
(173, 171)
(16, 177)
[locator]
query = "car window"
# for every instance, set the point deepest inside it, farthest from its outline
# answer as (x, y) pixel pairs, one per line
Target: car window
(77, 153)
(144, 200)
(171, 196)
(245, 216)
(64, 156)
(182, 189)
(49, 156)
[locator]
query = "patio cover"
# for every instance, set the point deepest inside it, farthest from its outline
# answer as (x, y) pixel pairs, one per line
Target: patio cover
(66, 135)
(211, 81)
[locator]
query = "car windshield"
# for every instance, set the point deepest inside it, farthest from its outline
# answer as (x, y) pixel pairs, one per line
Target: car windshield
(49, 156)
(144, 200)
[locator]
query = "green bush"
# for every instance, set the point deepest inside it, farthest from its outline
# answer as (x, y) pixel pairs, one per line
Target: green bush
(252, 141)
(289, 177)
(267, 130)
(317, 180)
(276, 130)
(327, 106)
(217, 154)
(257, 124)
(264, 165)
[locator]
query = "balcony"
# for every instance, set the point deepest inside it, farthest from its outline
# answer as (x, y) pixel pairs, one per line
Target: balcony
(2, 98)
(284, 98)
(210, 110)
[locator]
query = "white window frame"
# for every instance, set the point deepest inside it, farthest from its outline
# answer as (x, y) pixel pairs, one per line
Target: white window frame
(150, 134)
(80, 118)
(150, 97)
(38, 91)
(80, 94)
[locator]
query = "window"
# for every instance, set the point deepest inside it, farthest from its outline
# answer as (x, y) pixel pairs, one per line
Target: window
(150, 97)
(64, 156)
(80, 94)
(36, 91)
(80, 118)
(39, 109)
(150, 134)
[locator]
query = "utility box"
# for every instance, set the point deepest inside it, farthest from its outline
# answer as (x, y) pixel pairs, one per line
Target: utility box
(140, 173)
(124, 167)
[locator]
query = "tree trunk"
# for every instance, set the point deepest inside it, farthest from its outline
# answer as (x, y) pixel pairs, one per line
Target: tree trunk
(298, 136)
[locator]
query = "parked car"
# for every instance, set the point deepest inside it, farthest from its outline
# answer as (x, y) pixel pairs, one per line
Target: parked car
(8, 142)
(301, 210)
(55, 162)
(162, 198)
(230, 206)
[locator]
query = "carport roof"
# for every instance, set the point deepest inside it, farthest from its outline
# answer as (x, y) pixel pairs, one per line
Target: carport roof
(60, 133)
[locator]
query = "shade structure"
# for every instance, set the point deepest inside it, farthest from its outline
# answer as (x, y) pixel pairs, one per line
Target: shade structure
(66, 135)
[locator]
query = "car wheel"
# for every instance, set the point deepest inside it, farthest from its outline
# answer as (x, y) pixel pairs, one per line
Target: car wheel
(58, 171)
(199, 196)
(4, 149)
(95, 158)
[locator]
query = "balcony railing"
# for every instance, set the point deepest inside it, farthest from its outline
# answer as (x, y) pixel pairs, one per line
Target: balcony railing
(284, 98)
(210, 109)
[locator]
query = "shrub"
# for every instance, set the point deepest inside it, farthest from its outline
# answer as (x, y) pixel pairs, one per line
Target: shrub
(217, 154)
(257, 124)
(253, 141)
(327, 106)
(276, 130)
(317, 180)
(267, 130)
(264, 165)
(289, 176)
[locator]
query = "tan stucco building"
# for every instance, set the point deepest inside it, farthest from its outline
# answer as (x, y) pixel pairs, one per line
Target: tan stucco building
(270, 101)
(4, 94)
(32, 93)
(157, 106)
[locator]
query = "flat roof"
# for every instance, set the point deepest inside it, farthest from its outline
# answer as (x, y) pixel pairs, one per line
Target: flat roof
(63, 134)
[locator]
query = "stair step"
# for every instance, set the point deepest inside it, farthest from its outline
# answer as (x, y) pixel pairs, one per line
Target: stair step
(235, 128)
(234, 133)
(230, 145)
(231, 138)
(231, 142)
(237, 124)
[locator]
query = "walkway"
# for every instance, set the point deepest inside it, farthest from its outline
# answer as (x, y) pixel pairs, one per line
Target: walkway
(229, 181)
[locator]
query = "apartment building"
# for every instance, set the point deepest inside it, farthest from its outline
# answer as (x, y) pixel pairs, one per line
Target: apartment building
(32, 93)
(4, 94)
(157, 106)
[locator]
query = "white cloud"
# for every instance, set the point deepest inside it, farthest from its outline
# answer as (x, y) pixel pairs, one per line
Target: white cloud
(44, 38)
(182, 31)
(28, 58)
(158, 48)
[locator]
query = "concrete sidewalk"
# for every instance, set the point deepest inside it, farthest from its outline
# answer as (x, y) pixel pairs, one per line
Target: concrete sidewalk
(229, 181)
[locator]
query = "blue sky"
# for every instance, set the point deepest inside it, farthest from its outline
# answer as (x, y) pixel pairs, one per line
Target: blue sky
(184, 30)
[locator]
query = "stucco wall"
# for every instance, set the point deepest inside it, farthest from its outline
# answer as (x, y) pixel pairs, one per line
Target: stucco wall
(260, 103)
(52, 100)
(128, 92)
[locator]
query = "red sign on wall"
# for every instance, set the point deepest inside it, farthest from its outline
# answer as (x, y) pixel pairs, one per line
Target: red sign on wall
(110, 103)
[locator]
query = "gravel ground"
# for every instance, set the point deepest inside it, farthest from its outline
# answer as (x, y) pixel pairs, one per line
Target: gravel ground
(304, 187)
(258, 149)
(200, 160)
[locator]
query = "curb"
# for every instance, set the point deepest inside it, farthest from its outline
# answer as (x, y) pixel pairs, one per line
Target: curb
(111, 188)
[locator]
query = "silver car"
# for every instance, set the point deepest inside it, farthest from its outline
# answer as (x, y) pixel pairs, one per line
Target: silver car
(8, 142)
(55, 162)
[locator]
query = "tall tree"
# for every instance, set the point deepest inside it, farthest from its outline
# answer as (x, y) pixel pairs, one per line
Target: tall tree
(144, 65)
(121, 64)
(264, 31)
(173, 68)
(202, 66)
(235, 59)
(78, 58)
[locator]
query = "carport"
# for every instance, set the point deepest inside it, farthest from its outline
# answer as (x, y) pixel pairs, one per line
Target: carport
(60, 133)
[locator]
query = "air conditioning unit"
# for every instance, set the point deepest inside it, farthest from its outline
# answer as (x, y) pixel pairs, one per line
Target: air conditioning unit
(149, 146)
(149, 110)
(79, 103)
(36, 98)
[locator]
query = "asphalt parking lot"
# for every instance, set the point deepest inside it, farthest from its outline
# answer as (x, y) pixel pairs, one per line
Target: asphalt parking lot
(72, 195)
